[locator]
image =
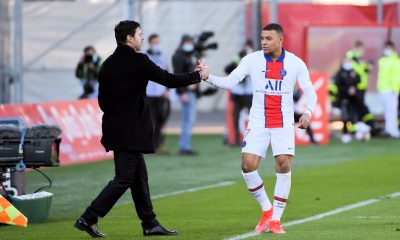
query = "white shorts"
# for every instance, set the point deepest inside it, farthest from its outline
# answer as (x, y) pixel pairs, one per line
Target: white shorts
(257, 141)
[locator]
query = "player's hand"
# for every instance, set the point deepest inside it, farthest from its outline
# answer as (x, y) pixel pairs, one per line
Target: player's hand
(203, 69)
(304, 121)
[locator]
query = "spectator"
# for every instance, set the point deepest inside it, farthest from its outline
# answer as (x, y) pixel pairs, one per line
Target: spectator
(388, 86)
(88, 72)
(346, 80)
(158, 94)
(362, 68)
(183, 61)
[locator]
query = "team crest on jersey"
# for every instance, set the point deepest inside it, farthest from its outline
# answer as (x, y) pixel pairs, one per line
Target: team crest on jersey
(282, 72)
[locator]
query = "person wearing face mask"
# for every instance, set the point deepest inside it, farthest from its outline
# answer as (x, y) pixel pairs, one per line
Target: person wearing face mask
(388, 86)
(158, 94)
(362, 68)
(87, 71)
(242, 93)
(346, 80)
(183, 61)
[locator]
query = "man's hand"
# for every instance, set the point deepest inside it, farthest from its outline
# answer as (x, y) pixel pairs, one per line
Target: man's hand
(203, 69)
(304, 121)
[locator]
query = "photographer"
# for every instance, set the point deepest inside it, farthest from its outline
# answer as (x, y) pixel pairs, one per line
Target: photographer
(87, 71)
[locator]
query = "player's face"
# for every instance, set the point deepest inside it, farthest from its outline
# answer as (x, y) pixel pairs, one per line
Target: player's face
(271, 41)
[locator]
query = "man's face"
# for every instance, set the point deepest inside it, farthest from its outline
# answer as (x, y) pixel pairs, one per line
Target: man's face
(136, 40)
(271, 41)
(154, 41)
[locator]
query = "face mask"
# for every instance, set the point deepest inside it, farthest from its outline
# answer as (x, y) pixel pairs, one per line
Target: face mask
(249, 50)
(347, 66)
(95, 58)
(188, 47)
(156, 48)
(387, 52)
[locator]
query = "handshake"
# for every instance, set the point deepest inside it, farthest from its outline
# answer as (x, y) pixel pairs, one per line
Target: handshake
(203, 69)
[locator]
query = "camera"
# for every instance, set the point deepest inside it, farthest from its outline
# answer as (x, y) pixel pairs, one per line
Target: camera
(201, 45)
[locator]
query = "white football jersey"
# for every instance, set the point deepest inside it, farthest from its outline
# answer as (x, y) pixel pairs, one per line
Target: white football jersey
(273, 83)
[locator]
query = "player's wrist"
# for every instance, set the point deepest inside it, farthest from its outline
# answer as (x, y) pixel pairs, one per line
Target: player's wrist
(308, 111)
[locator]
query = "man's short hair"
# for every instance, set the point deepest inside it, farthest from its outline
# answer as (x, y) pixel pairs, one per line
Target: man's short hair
(153, 36)
(88, 48)
(389, 44)
(358, 43)
(123, 29)
(274, 26)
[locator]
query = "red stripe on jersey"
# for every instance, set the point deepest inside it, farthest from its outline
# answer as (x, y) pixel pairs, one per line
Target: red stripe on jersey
(257, 188)
(280, 199)
(273, 112)
(274, 70)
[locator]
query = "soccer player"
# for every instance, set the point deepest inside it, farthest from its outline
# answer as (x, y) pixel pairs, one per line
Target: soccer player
(274, 72)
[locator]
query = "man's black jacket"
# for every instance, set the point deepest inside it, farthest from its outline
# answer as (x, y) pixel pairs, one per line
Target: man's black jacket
(123, 77)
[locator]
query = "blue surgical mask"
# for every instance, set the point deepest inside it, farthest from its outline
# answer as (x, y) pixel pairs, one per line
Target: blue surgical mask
(387, 52)
(156, 48)
(188, 47)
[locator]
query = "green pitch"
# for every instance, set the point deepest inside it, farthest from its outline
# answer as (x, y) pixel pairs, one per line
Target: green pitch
(324, 178)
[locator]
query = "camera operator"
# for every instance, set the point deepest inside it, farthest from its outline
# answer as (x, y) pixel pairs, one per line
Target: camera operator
(183, 60)
(87, 71)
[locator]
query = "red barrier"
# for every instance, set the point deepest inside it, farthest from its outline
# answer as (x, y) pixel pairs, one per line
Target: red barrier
(319, 121)
(296, 17)
(80, 122)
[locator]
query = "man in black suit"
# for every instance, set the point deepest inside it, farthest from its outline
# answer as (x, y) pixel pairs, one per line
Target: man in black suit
(128, 128)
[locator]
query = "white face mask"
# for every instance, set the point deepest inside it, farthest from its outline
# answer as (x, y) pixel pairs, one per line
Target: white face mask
(347, 66)
(387, 52)
(188, 47)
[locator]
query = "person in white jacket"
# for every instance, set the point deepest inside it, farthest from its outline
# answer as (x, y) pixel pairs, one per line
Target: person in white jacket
(274, 72)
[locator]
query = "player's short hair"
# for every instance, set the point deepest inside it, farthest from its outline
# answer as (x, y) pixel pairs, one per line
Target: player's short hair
(274, 26)
(153, 36)
(123, 29)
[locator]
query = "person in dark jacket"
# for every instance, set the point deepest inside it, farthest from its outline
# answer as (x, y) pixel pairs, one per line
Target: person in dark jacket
(346, 80)
(128, 128)
(182, 61)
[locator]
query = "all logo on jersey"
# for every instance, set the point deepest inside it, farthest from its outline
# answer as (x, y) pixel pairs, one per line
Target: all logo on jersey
(273, 85)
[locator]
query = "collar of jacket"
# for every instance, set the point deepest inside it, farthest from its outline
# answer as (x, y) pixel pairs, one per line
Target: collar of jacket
(124, 49)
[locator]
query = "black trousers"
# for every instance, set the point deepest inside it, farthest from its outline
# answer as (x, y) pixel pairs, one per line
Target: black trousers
(130, 172)
(160, 109)
(239, 103)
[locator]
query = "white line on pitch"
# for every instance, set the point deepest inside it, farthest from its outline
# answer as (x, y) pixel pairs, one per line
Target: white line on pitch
(221, 184)
(195, 189)
(323, 215)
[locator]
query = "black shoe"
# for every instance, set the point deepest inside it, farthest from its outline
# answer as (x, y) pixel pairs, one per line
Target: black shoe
(158, 231)
(188, 153)
(92, 230)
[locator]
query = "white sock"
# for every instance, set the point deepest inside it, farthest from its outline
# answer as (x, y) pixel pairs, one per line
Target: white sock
(281, 194)
(256, 187)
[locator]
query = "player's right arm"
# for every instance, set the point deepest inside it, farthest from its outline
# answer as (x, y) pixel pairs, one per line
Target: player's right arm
(237, 75)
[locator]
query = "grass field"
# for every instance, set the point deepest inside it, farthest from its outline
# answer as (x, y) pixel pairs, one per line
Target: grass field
(324, 178)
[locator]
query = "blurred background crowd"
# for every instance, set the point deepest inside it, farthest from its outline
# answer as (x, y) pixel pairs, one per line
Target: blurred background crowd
(52, 51)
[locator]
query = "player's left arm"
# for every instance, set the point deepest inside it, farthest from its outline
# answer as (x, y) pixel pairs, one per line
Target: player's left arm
(303, 78)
